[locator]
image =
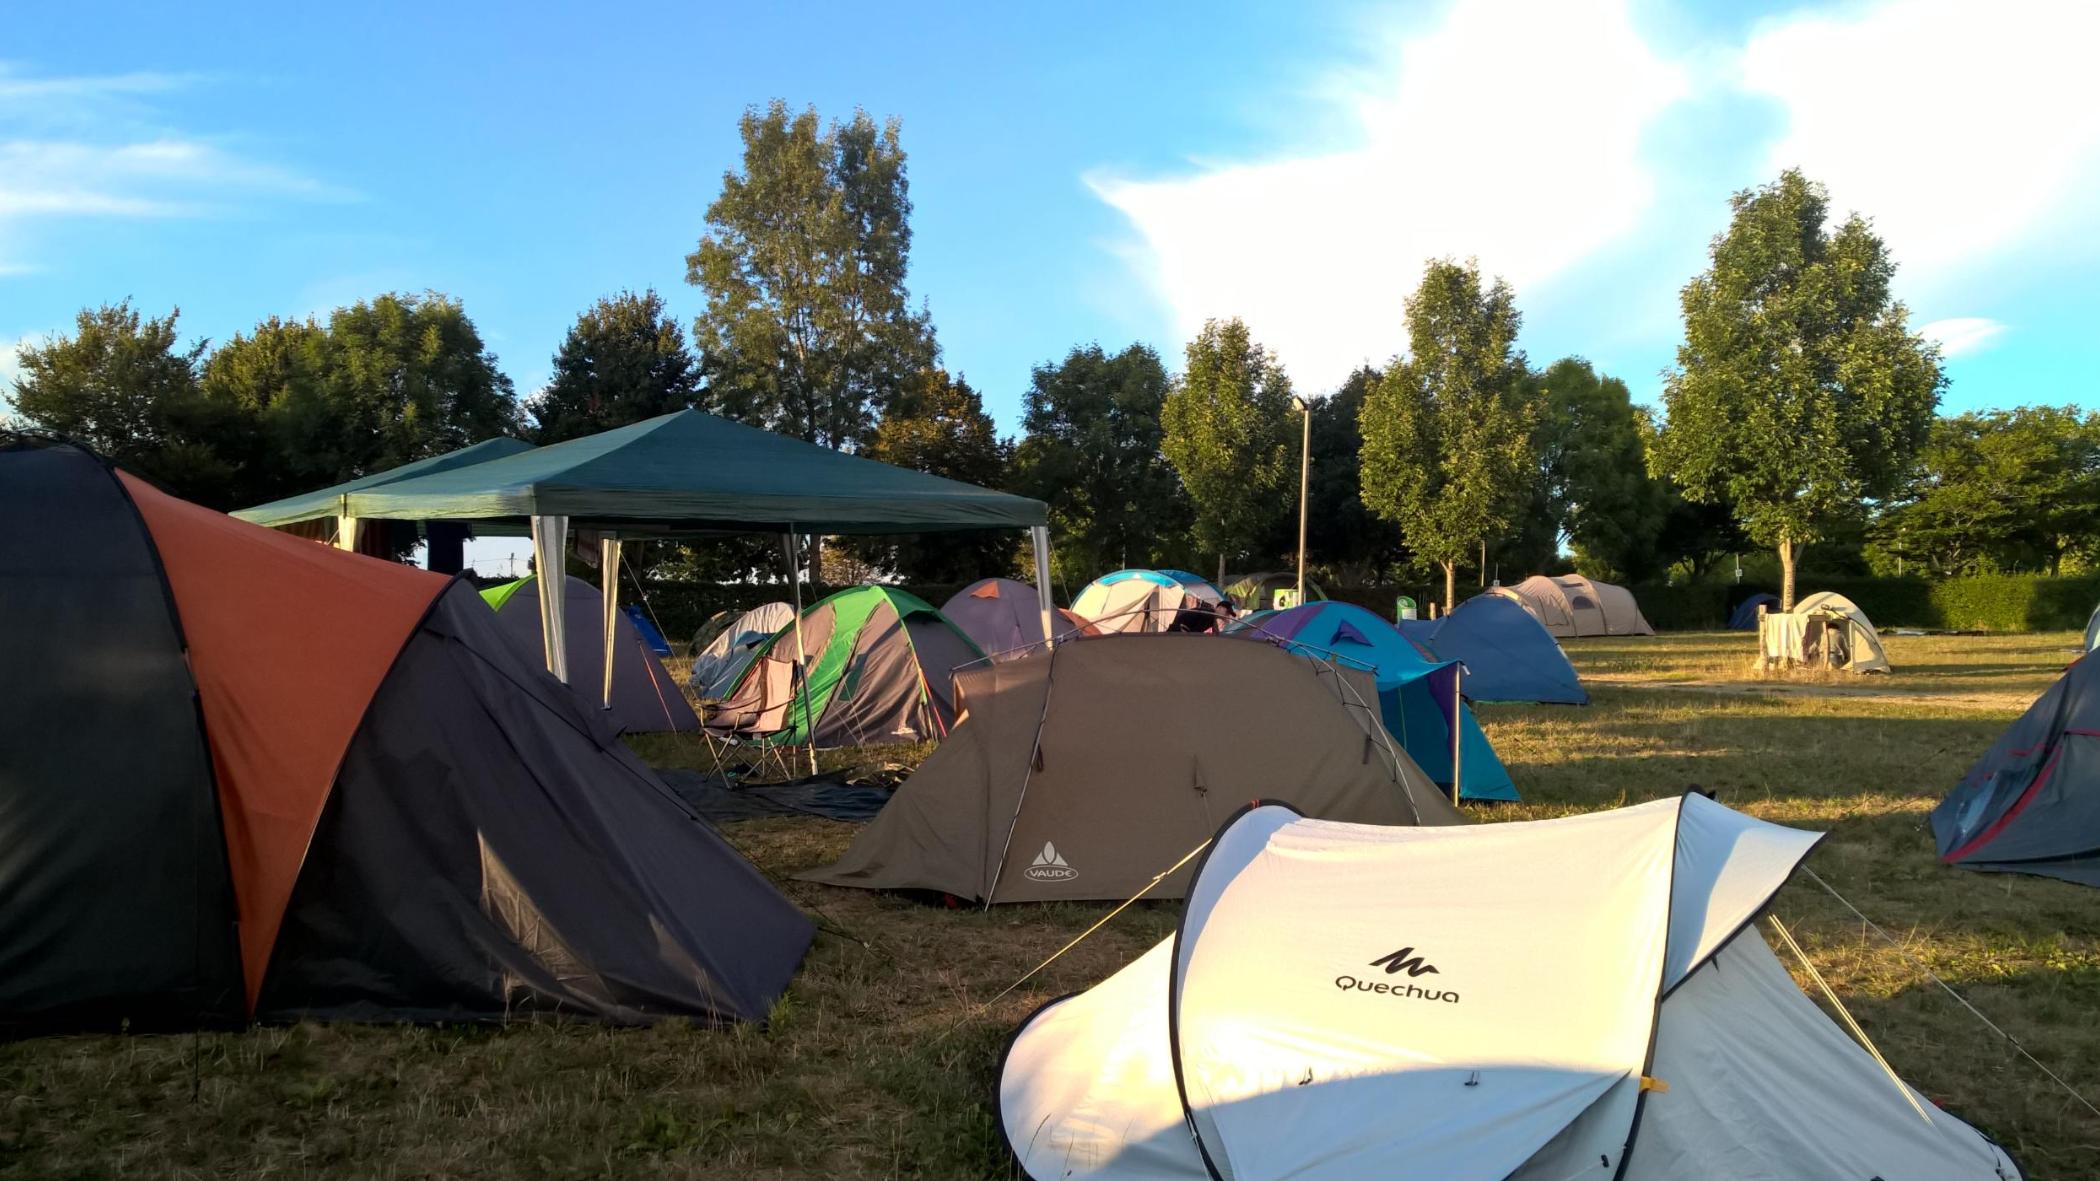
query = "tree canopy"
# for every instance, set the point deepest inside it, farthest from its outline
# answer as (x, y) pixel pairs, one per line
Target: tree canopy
(1447, 449)
(1227, 426)
(1341, 533)
(809, 329)
(1800, 394)
(1594, 471)
(624, 360)
(938, 425)
(1999, 490)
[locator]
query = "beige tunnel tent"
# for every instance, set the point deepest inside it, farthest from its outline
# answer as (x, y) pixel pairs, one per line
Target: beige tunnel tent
(1570, 605)
(1083, 771)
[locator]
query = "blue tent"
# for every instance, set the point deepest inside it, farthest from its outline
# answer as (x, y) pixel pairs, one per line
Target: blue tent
(646, 628)
(1414, 692)
(1509, 656)
(1745, 617)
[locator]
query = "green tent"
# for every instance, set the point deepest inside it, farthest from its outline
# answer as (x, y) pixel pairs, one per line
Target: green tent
(881, 670)
(330, 502)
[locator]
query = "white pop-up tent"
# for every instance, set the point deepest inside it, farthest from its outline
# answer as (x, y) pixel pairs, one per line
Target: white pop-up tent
(1577, 998)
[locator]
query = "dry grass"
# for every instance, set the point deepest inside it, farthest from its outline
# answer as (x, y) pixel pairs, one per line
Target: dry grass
(879, 1062)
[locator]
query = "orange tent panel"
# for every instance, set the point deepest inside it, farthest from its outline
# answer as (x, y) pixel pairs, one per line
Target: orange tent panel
(288, 641)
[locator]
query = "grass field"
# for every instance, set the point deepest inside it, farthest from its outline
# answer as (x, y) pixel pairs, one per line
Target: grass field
(879, 1062)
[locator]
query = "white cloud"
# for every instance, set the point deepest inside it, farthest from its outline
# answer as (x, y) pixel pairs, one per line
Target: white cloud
(1510, 133)
(1958, 127)
(1961, 335)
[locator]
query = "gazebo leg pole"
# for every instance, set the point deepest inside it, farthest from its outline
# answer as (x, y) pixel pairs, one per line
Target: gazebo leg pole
(609, 585)
(1458, 729)
(787, 540)
(1041, 536)
(550, 543)
(346, 532)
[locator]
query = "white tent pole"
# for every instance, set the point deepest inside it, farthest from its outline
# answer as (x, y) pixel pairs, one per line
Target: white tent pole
(1458, 730)
(346, 532)
(801, 656)
(1040, 534)
(609, 584)
(550, 543)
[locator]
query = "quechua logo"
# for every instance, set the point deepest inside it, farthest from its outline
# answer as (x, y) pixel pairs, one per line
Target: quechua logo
(1049, 866)
(1407, 960)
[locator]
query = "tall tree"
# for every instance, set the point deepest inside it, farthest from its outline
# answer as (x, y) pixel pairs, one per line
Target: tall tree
(938, 425)
(1799, 393)
(413, 380)
(1595, 470)
(1091, 450)
(1341, 534)
(1227, 430)
(278, 376)
(1447, 433)
(624, 360)
(1999, 490)
(809, 329)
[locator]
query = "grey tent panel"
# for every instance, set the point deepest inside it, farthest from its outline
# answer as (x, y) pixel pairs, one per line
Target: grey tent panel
(2031, 804)
(645, 698)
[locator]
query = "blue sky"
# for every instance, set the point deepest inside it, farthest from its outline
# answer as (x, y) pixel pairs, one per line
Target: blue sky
(1081, 172)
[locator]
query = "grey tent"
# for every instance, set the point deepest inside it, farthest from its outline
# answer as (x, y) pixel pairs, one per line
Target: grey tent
(645, 698)
(1084, 771)
(1825, 628)
(2092, 630)
(1005, 617)
(719, 663)
(1571, 605)
(2031, 804)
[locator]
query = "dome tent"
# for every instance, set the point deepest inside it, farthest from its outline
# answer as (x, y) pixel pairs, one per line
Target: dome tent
(881, 669)
(1744, 617)
(645, 699)
(1534, 1000)
(1570, 605)
(1825, 626)
(1508, 654)
(1005, 618)
(2031, 804)
(1152, 601)
(1415, 695)
(720, 662)
(1083, 771)
(432, 830)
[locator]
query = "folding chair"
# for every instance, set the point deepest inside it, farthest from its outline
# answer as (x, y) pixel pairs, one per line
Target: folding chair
(758, 711)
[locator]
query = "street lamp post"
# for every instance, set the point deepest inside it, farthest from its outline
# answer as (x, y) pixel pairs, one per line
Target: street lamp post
(1304, 486)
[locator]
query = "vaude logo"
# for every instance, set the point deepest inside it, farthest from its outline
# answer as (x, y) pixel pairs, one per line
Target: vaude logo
(1049, 866)
(1404, 960)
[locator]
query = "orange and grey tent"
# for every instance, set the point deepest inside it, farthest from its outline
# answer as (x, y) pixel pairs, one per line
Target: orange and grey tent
(246, 776)
(1005, 617)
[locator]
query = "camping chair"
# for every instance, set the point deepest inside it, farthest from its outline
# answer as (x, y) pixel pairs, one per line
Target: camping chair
(754, 715)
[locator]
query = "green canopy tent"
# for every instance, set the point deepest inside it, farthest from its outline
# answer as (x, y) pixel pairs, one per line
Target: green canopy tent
(323, 514)
(689, 473)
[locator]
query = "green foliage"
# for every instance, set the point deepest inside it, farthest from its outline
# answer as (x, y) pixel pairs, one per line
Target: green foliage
(1999, 490)
(809, 329)
(623, 361)
(1593, 462)
(1799, 393)
(1227, 426)
(938, 425)
(1447, 452)
(1342, 536)
(1092, 451)
(413, 380)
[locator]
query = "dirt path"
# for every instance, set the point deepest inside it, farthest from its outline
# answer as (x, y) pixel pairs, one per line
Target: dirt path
(1905, 692)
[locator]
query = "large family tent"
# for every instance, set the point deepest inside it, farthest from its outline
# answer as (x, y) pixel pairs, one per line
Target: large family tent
(1085, 771)
(720, 663)
(2031, 804)
(1570, 605)
(1539, 1001)
(1257, 592)
(244, 775)
(1744, 618)
(1152, 601)
(1507, 652)
(645, 698)
(881, 670)
(1415, 694)
(1825, 628)
(1005, 618)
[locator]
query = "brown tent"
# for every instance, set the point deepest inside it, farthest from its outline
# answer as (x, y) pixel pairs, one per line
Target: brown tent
(1571, 605)
(1082, 772)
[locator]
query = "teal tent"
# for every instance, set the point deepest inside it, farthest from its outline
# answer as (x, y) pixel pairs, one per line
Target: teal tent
(332, 502)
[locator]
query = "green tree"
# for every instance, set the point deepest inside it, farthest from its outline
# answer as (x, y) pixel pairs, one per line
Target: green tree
(1799, 393)
(1226, 427)
(1342, 536)
(412, 380)
(1091, 450)
(938, 425)
(1999, 490)
(1447, 433)
(277, 376)
(1595, 472)
(624, 360)
(809, 329)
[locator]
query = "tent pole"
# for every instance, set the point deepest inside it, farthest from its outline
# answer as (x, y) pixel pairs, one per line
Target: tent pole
(787, 540)
(609, 584)
(1458, 730)
(550, 543)
(1040, 534)
(346, 532)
